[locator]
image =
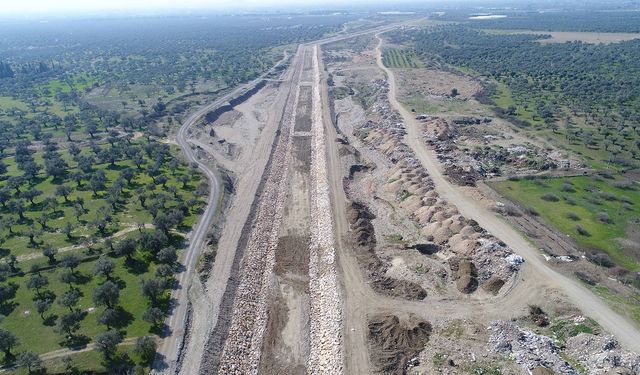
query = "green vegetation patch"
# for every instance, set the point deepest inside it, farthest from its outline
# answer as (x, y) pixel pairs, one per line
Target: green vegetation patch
(596, 213)
(401, 58)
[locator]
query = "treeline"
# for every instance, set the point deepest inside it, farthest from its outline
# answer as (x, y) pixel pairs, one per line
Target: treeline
(584, 20)
(579, 75)
(172, 51)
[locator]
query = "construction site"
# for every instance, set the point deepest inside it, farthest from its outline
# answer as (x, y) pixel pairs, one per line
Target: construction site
(351, 244)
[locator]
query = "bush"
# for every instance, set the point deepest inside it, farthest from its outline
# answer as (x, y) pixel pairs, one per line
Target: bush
(532, 211)
(603, 217)
(512, 210)
(570, 200)
(581, 231)
(607, 196)
(567, 187)
(573, 216)
(582, 276)
(626, 185)
(600, 258)
(550, 197)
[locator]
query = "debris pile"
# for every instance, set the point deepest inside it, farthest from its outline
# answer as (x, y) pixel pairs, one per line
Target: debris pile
(528, 349)
(600, 354)
(413, 191)
(325, 312)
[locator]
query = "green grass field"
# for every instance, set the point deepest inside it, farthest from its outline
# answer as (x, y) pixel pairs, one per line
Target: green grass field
(41, 336)
(583, 201)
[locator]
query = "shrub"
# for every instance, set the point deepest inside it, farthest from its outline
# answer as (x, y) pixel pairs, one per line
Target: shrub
(532, 211)
(581, 231)
(568, 187)
(550, 197)
(626, 185)
(512, 210)
(603, 217)
(607, 196)
(582, 276)
(600, 258)
(570, 200)
(573, 216)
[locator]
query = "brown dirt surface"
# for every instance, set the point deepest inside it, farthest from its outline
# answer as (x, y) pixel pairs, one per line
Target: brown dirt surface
(395, 342)
(427, 82)
(572, 36)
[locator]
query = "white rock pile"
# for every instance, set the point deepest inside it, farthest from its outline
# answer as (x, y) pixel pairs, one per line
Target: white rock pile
(325, 314)
(242, 350)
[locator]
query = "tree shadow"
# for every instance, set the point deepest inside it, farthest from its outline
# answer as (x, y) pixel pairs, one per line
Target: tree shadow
(82, 279)
(136, 266)
(76, 342)
(50, 320)
(121, 363)
(124, 318)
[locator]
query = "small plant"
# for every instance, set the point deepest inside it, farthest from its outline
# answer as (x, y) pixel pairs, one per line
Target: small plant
(603, 217)
(567, 187)
(550, 197)
(573, 216)
(581, 231)
(439, 359)
(570, 200)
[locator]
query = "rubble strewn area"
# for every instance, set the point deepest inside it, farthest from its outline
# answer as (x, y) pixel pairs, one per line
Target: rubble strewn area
(407, 187)
(528, 349)
(588, 353)
(325, 313)
(470, 149)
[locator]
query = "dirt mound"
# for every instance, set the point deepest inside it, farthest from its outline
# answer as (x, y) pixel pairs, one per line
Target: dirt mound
(394, 342)
(466, 273)
(364, 240)
(461, 176)
(542, 371)
(493, 285)
(399, 288)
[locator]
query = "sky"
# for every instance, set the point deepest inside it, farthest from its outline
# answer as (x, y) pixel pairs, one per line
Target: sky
(25, 7)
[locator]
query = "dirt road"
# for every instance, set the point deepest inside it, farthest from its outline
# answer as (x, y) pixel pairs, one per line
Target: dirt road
(623, 329)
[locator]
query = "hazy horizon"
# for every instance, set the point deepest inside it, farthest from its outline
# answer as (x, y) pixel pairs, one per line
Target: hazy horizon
(62, 7)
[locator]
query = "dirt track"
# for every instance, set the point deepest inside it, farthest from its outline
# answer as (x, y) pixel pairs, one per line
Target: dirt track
(535, 267)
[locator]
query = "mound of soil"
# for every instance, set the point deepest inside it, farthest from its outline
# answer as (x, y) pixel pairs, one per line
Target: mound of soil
(542, 371)
(493, 285)
(466, 273)
(364, 238)
(399, 288)
(394, 342)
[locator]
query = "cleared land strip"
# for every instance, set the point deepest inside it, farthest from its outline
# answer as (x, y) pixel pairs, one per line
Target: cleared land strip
(326, 354)
(241, 354)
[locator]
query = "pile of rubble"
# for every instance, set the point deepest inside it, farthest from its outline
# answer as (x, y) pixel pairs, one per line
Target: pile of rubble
(242, 350)
(529, 350)
(414, 191)
(325, 312)
(469, 153)
(601, 354)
